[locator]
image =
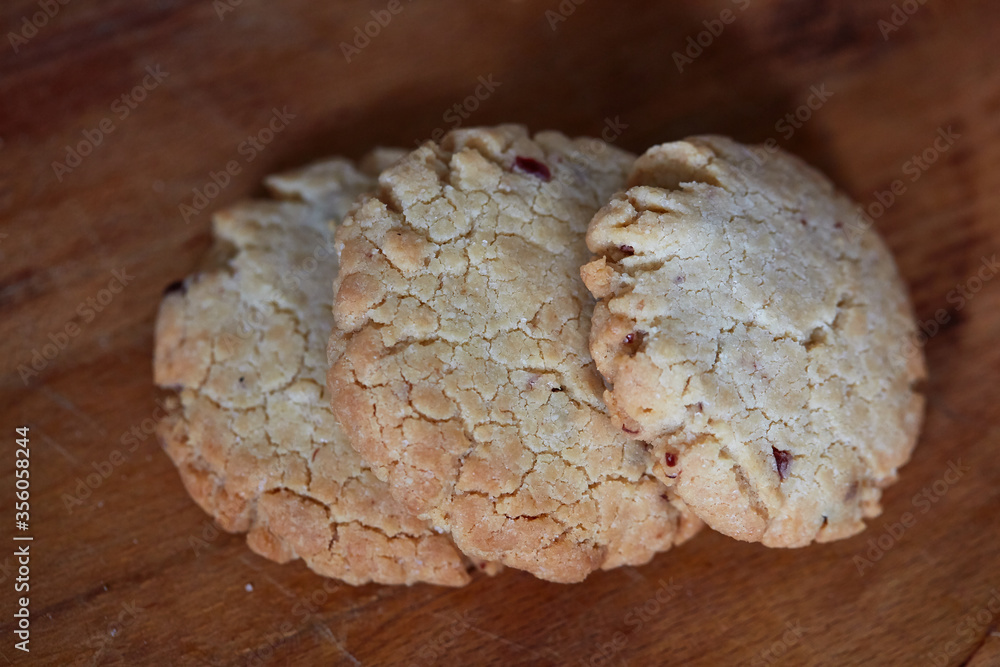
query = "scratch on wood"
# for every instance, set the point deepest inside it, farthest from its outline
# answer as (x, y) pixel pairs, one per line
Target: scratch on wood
(327, 634)
(69, 405)
(56, 446)
(504, 640)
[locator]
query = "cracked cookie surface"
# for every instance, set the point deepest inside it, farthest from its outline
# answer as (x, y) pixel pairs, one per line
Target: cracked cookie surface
(755, 340)
(243, 343)
(461, 366)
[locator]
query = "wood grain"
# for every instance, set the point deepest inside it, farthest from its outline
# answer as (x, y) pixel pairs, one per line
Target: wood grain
(135, 574)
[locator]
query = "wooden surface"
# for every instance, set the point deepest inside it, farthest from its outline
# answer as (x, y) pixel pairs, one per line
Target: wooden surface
(135, 574)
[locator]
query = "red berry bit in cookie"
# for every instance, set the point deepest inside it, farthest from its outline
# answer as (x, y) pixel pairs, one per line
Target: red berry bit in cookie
(783, 459)
(633, 342)
(530, 165)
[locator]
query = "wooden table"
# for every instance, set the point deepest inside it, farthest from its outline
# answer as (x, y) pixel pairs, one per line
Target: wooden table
(132, 572)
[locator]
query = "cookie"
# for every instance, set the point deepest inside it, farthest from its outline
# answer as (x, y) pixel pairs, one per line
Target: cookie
(243, 345)
(461, 367)
(757, 344)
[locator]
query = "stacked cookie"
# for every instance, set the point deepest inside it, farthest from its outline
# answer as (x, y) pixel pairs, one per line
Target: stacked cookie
(750, 359)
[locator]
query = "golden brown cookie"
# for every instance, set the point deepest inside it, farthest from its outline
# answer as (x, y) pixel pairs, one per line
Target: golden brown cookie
(461, 365)
(243, 345)
(759, 349)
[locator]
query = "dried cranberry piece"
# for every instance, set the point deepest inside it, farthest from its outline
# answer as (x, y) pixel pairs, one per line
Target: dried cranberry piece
(627, 250)
(530, 165)
(633, 342)
(783, 459)
(671, 459)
